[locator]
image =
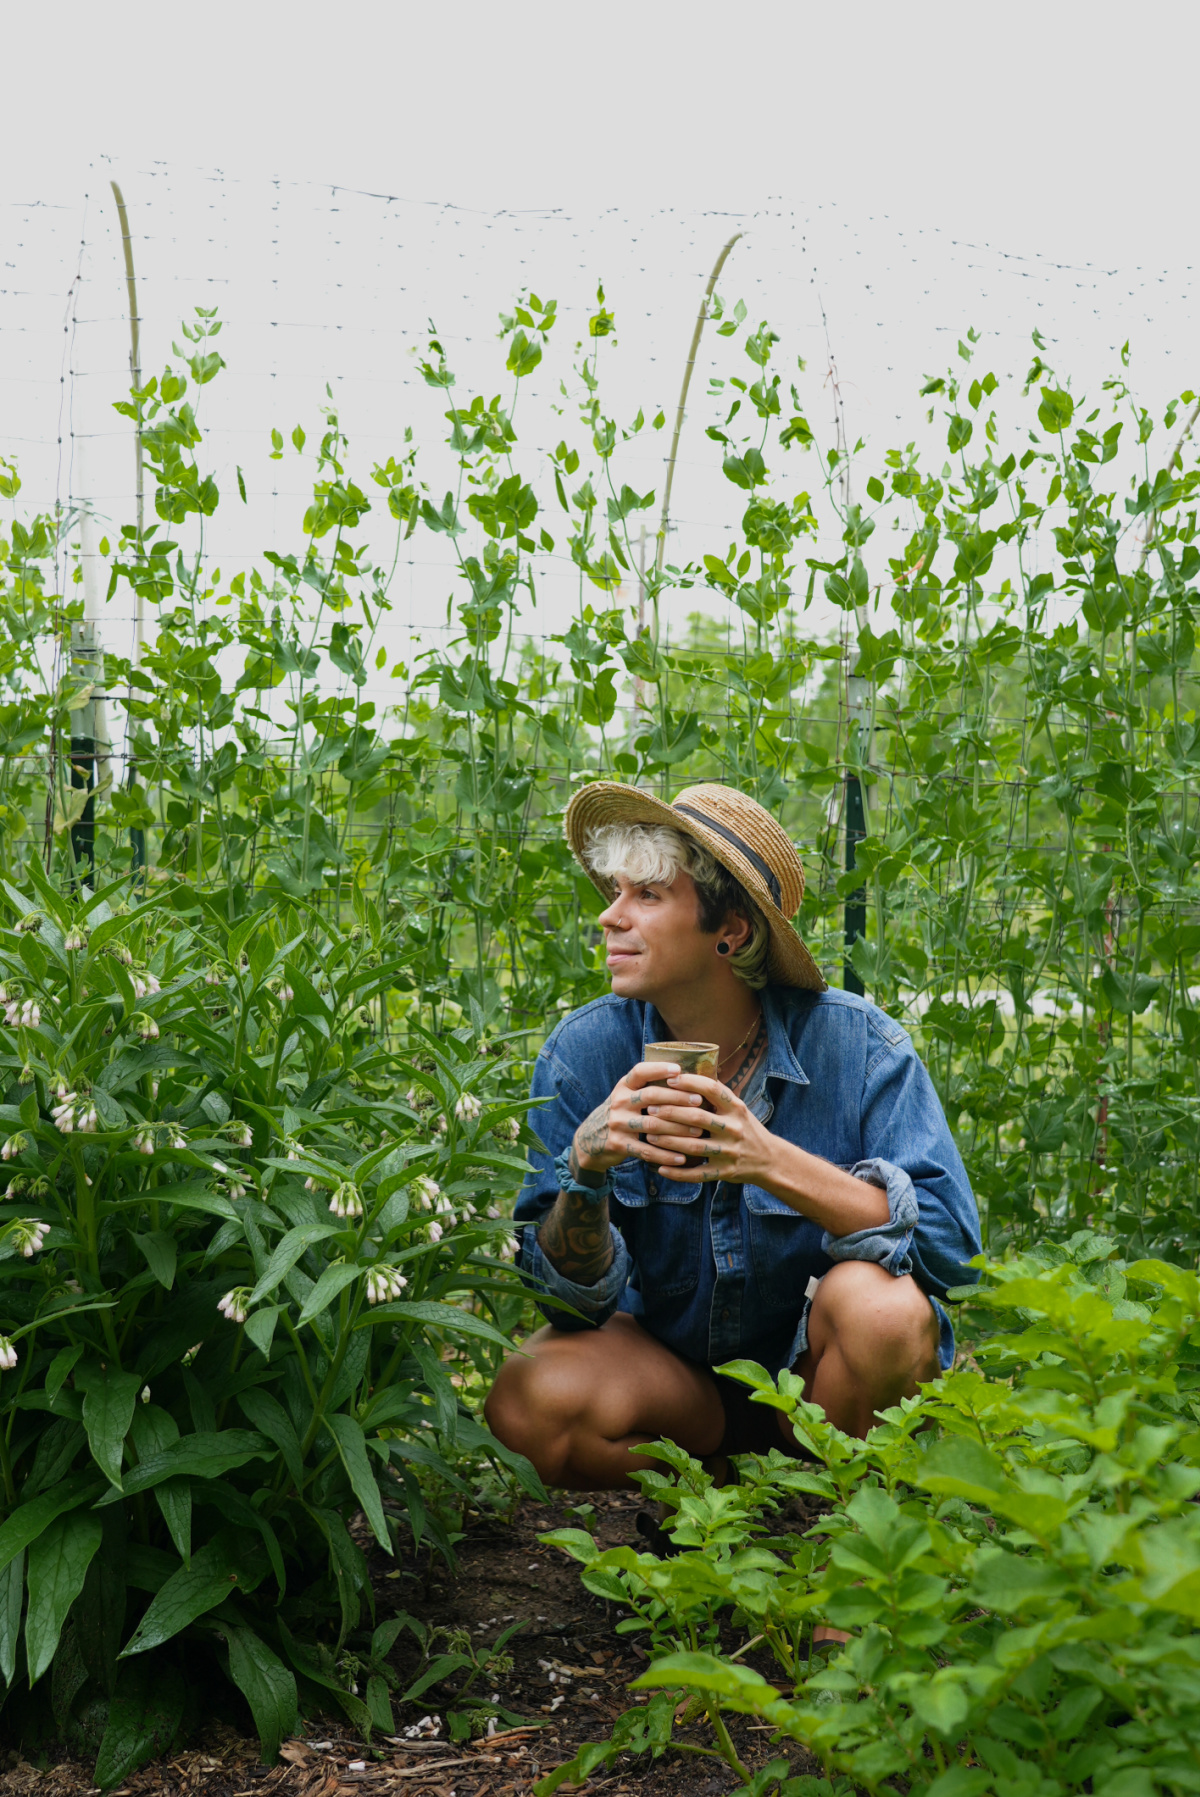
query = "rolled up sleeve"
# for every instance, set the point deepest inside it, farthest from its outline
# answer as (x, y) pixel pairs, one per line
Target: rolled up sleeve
(555, 1121)
(888, 1244)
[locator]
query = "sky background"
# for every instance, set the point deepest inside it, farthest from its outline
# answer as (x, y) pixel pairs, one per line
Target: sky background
(333, 180)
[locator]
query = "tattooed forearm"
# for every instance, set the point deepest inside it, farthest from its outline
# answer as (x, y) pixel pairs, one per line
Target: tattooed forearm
(576, 1238)
(591, 1138)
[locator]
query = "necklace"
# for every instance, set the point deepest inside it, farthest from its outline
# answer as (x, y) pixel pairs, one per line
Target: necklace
(736, 1051)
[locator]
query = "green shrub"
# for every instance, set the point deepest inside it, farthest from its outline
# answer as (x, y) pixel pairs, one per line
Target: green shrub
(1015, 1554)
(241, 1220)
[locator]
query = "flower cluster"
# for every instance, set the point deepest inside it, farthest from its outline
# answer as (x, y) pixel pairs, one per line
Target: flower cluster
(145, 1026)
(468, 1108)
(425, 1191)
(384, 1283)
(74, 1113)
(18, 1011)
(144, 983)
(75, 939)
(8, 1355)
(346, 1201)
(14, 1146)
(23, 1185)
(235, 1304)
(240, 1133)
(507, 1130)
(28, 1236)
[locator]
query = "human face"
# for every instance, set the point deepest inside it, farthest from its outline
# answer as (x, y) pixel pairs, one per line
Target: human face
(653, 940)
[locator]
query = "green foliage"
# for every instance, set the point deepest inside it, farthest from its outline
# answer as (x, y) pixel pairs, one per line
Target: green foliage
(248, 1207)
(1015, 1555)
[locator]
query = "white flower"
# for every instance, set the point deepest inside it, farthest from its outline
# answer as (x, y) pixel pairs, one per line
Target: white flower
(468, 1210)
(220, 1167)
(74, 940)
(346, 1201)
(493, 1213)
(31, 1014)
(4, 998)
(507, 1130)
(440, 1127)
(412, 1097)
(139, 986)
(240, 1133)
(178, 1139)
(89, 1119)
(144, 1394)
(445, 1212)
(152, 984)
(73, 1285)
(436, 1232)
(425, 1190)
(8, 1355)
(467, 1108)
(286, 995)
(154, 1088)
(214, 977)
(123, 955)
(293, 1149)
(12, 1013)
(384, 1283)
(145, 1026)
(235, 1305)
(28, 1235)
(14, 1146)
(236, 1189)
(30, 923)
(144, 1141)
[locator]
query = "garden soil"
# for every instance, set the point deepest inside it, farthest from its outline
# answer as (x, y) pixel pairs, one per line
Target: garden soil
(504, 1575)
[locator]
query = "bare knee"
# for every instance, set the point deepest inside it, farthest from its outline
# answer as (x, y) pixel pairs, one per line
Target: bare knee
(884, 1326)
(535, 1403)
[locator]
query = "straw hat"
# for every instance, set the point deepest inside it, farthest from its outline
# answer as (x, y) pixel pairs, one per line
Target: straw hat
(736, 831)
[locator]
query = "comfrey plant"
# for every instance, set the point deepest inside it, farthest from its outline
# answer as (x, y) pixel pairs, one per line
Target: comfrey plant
(1015, 1555)
(225, 1299)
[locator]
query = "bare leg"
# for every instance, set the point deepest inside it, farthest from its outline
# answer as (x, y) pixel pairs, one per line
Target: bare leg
(580, 1404)
(872, 1339)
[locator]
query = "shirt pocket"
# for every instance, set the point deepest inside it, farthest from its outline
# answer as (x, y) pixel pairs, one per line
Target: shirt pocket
(785, 1249)
(665, 1242)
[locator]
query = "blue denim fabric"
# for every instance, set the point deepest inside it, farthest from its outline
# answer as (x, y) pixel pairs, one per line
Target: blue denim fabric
(718, 1272)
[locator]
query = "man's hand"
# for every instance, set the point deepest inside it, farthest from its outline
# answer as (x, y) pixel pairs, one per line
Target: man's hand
(615, 1129)
(743, 1151)
(740, 1149)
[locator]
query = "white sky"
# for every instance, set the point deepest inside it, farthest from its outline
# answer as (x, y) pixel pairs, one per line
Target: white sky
(923, 168)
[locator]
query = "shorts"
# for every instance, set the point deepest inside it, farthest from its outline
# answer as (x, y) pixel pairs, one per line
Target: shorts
(750, 1428)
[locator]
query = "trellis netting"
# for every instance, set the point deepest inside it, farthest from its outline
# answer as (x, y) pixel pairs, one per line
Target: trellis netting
(419, 587)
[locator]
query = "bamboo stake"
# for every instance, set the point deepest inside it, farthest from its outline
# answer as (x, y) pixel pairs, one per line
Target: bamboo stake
(663, 522)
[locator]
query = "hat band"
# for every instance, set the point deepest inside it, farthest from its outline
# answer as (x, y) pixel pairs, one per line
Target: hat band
(743, 848)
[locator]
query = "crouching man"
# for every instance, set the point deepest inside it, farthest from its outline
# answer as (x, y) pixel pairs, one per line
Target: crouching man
(823, 1157)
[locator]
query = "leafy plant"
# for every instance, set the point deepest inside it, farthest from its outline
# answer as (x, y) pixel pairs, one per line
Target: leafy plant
(244, 1217)
(1015, 1555)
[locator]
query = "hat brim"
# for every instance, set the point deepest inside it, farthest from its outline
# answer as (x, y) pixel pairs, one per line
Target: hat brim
(789, 962)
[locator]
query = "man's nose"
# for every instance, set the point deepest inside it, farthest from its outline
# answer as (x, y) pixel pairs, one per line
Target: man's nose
(612, 919)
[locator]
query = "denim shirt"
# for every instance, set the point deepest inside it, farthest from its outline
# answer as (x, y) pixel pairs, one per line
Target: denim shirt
(716, 1271)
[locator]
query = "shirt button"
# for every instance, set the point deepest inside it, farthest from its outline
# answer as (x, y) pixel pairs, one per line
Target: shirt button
(724, 1316)
(652, 1187)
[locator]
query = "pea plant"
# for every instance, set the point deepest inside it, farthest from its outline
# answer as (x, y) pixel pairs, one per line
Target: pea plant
(242, 1223)
(1014, 1554)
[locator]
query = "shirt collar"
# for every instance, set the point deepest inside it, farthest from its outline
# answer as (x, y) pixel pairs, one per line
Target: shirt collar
(780, 1062)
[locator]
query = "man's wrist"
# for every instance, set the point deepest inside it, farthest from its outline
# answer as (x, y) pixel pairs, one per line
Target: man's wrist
(583, 1172)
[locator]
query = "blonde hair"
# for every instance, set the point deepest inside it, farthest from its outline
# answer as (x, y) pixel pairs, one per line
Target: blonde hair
(652, 855)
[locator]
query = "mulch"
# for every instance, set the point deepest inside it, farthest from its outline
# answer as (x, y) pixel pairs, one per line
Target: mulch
(504, 1575)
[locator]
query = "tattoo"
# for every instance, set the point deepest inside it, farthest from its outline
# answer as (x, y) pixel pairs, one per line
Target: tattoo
(585, 1176)
(592, 1135)
(754, 1055)
(576, 1238)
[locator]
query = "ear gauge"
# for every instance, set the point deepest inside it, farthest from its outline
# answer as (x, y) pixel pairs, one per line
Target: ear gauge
(722, 948)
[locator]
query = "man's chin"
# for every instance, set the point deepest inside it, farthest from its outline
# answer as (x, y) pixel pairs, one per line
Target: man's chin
(632, 981)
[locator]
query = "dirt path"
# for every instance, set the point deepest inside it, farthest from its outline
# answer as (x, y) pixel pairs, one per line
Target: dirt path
(504, 1575)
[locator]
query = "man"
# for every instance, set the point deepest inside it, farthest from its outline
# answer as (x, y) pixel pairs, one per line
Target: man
(826, 1158)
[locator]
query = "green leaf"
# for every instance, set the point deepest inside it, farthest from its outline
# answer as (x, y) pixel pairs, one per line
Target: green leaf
(942, 1706)
(272, 1420)
(288, 1251)
(960, 1467)
(333, 1280)
(58, 1563)
(704, 1672)
(446, 1316)
(435, 1672)
(108, 1401)
(143, 1719)
(29, 1520)
(268, 1686)
(1056, 409)
(352, 1446)
(159, 1252)
(214, 1575)
(204, 1455)
(12, 1594)
(961, 1781)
